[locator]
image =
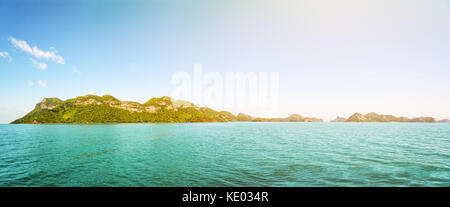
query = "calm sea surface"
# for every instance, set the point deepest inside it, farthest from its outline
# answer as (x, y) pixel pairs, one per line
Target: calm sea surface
(226, 154)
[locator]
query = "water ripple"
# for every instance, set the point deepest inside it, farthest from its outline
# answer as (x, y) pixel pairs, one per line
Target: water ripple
(226, 154)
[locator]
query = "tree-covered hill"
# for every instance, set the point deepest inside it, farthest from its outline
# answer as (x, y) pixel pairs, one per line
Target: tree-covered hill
(108, 109)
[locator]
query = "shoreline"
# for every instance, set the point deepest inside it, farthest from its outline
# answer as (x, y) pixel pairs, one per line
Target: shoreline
(213, 122)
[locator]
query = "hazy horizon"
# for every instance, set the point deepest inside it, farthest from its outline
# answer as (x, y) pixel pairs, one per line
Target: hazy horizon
(333, 58)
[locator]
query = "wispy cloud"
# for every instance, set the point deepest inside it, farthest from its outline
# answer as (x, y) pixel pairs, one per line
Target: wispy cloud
(75, 70)
(36, 52)
(39, 83)
(38, 64)
(42, 83)
(5, 55)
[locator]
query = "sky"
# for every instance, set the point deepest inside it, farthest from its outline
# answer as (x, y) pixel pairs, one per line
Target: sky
(334, 58)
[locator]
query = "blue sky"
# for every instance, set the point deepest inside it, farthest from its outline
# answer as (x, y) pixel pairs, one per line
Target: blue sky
(334, 58)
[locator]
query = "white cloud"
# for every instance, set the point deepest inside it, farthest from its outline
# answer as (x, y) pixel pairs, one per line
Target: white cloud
(36, 52)
(75, 70)
(5, 55)
(38, 64)
(42, 83)
(30, 83)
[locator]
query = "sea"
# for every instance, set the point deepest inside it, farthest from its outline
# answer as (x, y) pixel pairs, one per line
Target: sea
(256, 154)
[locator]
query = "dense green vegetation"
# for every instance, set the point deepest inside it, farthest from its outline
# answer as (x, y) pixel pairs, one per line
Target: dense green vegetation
(107, 109)
(95, 109)
(223, 116)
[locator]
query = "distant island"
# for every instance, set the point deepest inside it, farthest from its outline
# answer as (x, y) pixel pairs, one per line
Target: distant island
(374, 117)
(339, 119)
(108, 109)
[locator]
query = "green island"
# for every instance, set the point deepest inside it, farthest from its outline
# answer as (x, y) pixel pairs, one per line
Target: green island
(374, 117)
(108, 109)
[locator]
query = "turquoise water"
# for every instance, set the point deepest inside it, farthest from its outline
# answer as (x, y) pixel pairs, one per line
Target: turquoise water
(226, 154)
